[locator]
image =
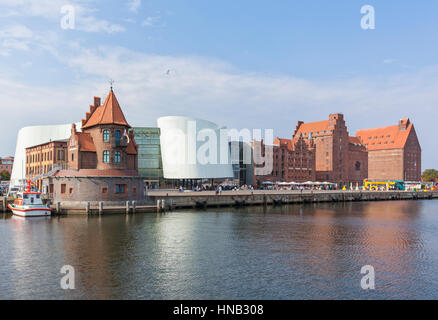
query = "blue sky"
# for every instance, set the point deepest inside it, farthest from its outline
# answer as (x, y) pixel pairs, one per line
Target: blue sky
(243, 64)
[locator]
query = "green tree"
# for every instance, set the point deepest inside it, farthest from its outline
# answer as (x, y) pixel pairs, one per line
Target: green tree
(4, 175)
(430, 175)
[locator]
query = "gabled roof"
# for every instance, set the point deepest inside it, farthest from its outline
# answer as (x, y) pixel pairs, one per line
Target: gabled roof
(109, 113)
(85, 142)
(132, 147)
(283, 142)
(392, 137)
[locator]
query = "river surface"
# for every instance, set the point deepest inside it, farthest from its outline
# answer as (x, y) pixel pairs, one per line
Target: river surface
(313, 251)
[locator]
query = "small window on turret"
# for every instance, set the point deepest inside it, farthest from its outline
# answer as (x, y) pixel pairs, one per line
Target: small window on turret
(106, 135)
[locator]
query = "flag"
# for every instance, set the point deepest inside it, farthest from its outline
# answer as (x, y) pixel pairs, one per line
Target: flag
(125, 134)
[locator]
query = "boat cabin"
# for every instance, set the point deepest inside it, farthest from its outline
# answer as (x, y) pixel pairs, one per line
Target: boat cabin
(29, 198)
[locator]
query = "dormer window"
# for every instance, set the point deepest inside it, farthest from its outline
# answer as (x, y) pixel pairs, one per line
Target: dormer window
(106, 135)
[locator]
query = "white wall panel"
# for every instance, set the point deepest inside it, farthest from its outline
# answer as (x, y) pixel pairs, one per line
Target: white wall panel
(180, 149)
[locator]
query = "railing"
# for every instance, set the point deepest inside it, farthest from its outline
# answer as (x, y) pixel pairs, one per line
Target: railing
(55, 169)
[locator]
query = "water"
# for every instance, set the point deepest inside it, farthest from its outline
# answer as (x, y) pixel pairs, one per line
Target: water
(313, 251)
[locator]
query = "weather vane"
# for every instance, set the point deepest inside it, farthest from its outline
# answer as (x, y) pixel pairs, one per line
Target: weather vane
(111, 84)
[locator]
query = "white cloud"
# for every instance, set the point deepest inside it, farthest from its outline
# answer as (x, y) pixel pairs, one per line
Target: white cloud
(215, 90)
(150, 21)
(134, 5)
(86, 19)
(388, 61)
(91, 24)
(14, 37)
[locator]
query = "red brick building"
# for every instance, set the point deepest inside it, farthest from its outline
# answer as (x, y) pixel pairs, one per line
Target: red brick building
(291, 162)
(102, 159)
(394, 152)
(43, 158)
(6, 164)
(339, 158)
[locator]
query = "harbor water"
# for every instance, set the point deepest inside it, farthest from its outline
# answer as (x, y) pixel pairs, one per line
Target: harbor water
(307, 251)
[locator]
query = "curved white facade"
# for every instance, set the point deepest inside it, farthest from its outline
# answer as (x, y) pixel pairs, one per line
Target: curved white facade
(32, 136)
(194, 149)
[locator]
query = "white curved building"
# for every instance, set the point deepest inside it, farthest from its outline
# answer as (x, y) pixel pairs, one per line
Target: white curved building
(32, 136)
(194, 149)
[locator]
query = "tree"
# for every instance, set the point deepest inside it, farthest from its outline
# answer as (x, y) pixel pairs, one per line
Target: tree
(430, 175)
(4, 175)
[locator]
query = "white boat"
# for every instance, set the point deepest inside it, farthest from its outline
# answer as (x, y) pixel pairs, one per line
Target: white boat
(29, 204)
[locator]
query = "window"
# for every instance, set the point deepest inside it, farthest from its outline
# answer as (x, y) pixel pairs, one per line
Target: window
(106, 156)
(357, 166)
(106, 135)
(70, 190)
(117, 157)
(72, 157)
(63, 187)
(118, 137)
(105, 190)
(120, 188)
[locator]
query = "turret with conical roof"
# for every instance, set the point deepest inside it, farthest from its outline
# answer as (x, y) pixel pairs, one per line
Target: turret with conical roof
(108, 131)
(109, 113)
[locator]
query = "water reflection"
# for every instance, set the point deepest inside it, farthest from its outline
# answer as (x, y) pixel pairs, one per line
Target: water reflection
(311, 251)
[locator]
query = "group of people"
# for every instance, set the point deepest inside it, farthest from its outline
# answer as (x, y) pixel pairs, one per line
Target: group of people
(218, 189)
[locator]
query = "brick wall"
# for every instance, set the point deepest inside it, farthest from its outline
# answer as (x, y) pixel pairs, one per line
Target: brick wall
(385, 164)
(93, 189)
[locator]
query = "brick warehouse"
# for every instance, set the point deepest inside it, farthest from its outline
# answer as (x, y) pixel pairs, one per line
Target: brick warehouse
(394, 152)
(339, 158)
(101, 160)
(291, 161)
(43, 158)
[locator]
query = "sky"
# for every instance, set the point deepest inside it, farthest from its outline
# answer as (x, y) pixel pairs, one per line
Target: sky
(242, 64)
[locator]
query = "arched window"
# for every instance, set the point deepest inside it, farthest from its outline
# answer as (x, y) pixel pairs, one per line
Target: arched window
(118, 137)
(106, 156)
(106, 135)
(117, 157)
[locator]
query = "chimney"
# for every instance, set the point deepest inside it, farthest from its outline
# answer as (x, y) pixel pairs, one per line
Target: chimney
(403, 124)
(73, 129)
(96, 102)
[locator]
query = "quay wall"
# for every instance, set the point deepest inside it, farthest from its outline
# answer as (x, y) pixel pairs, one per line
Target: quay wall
(248, 198)
(162, 200)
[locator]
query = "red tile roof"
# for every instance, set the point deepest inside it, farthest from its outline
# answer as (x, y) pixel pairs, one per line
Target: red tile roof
(132, 147)
(86, 142)
(283, 142)
(109, 113)
(313, 127)
(354, 140)
(385, 137)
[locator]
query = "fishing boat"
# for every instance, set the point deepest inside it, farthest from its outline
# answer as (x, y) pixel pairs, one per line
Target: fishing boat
(29, 204)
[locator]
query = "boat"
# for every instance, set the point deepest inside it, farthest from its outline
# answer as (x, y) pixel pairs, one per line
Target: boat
(29, 204)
